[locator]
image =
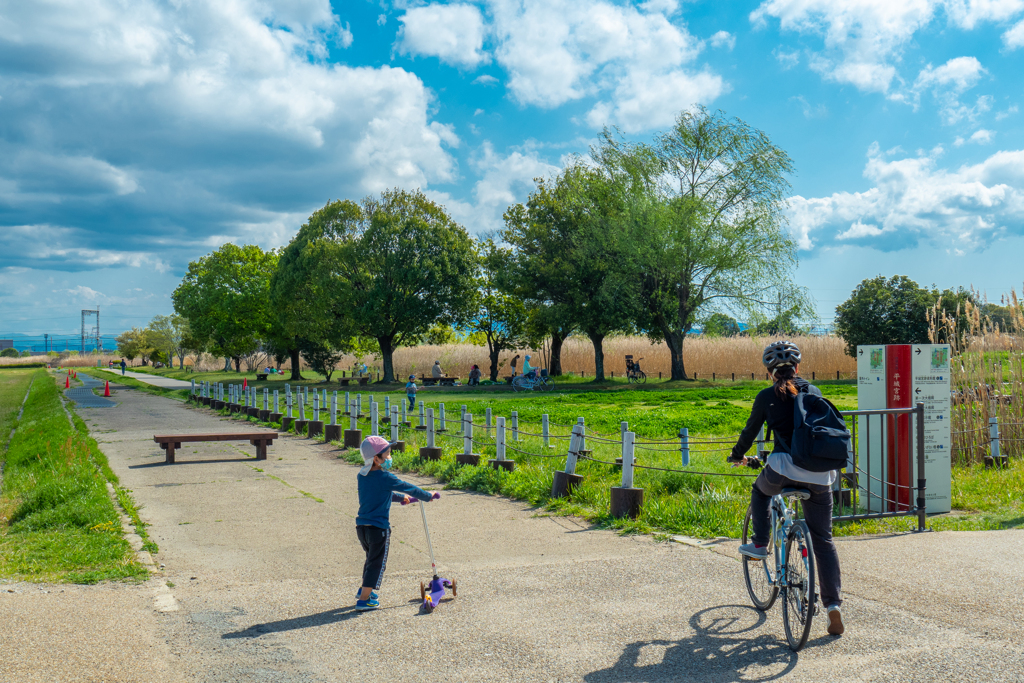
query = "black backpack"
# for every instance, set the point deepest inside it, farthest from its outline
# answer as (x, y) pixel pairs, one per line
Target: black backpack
(821, 442)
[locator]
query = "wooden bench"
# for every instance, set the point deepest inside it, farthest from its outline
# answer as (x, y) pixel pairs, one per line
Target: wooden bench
(261, 377)
(345, 380)
(260, 440)
(443, 381)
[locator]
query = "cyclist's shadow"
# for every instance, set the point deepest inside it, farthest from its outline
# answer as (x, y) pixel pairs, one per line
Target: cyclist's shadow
(722, 649)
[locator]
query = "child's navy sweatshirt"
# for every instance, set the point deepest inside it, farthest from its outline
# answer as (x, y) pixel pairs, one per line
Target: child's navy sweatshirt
(376, 492)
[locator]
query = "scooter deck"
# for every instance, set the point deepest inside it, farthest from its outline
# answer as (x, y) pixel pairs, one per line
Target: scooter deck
(437, 588)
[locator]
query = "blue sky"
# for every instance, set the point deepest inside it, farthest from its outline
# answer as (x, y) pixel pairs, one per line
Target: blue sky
(135, 137)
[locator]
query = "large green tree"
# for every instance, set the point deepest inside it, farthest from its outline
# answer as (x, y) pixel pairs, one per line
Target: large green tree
(392, 267)
(884, 311)
(170, 335)
(500, 318)
(225, 296)
(706, 224)
(565, 252)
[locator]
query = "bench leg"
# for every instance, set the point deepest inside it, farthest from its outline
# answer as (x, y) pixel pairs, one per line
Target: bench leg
(261, 450)
(170, 454)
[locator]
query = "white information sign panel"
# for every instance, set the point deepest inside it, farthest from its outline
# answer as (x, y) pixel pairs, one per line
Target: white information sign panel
(871, 395)
(930, 363)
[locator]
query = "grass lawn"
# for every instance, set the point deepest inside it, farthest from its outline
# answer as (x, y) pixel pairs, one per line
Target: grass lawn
(57, 521)
(678, 503)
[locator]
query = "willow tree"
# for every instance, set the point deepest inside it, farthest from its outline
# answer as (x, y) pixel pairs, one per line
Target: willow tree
(710, 234)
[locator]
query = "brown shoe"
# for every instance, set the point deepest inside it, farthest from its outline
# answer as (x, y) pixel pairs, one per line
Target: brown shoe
(835, 622)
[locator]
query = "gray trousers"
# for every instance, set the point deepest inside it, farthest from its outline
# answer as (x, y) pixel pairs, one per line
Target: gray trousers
(817, 515)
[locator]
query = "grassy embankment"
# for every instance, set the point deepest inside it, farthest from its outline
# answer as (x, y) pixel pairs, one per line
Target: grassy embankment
(57, 521)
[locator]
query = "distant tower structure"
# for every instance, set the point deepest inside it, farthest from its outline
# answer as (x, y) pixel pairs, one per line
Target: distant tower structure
(91, 333)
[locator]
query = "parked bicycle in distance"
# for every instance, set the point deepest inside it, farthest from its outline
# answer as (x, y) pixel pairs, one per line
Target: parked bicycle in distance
(789, 568)
(634, 375)
(541, 382)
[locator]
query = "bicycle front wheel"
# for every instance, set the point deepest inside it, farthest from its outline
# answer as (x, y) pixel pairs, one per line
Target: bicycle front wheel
(641, 377)
(799, 597)
(762, 584)
(518, 384)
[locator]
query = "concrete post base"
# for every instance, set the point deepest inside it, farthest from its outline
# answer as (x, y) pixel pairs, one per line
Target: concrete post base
(399, 446)
(353, 437)
(626, 502)
(428, 453)
(286, 423)
(421, 428)
(274, 417)
(467, 459)
(1000, 462)
(507, 465)
(234, 407)
(314, 428)
(252, 412)
(332, 432)
(264, 415)
(563, 484)
(300, 426)
(407, 423)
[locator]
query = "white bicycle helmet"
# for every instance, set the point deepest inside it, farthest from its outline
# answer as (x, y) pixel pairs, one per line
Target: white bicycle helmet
(780, 353)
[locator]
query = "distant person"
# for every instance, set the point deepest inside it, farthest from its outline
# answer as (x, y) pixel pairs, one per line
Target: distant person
(515, 362)
(123, 366)
(378, 488)
(474, 376)
(410, 391)
(436, 372)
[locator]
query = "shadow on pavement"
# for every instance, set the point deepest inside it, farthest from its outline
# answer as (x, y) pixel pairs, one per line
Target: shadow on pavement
(163, 463)
(332, 616)
(723, 648)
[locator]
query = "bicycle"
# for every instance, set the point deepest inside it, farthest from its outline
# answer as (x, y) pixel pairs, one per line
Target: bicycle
(634, 375)
(793, 575)
(525, 383)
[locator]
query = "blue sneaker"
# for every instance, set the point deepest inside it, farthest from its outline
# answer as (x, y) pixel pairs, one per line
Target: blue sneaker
(367, 605)
(373, 594)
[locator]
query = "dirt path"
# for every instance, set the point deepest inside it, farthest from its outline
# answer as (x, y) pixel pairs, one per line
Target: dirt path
(264, 565)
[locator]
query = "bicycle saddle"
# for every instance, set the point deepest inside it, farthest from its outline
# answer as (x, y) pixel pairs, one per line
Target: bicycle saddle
(801, 494)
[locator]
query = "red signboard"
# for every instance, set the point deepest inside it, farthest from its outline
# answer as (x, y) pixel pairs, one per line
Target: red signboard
(899, 394)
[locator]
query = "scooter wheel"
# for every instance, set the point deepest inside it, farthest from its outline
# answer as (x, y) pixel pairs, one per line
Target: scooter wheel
(428, 606)
(455, 591)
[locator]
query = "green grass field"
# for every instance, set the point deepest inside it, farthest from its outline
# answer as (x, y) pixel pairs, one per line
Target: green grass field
(57, 521)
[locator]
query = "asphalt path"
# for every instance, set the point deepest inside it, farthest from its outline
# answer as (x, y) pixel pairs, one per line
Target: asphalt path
(261, 564)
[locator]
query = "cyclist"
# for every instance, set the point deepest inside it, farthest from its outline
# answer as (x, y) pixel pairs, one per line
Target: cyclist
(528, 370)
(773, 406)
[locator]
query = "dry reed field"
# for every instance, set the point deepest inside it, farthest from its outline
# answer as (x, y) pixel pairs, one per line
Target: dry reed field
(723, 356)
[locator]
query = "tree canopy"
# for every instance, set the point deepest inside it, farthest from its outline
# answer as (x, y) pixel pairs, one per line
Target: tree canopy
(885, 311)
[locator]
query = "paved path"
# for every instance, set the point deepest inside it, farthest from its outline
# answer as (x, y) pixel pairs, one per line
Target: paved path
(155, 380)
(264, 565)
(84, 397)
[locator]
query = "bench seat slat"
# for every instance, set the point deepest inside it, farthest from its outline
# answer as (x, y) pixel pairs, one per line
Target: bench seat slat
(243, 436)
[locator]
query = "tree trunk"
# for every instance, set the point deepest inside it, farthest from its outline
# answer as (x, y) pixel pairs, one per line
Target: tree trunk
(556, 354)
(296, 375)
(181, 361)
(674, 341)
(598, 341)
(227, 363)
(387, 352)
(238, 363)
(494, 352)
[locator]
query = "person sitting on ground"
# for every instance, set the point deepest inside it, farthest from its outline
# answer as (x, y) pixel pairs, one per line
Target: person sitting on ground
(774, 406)
(436, 372)
(529, 370)
(474, 375)
(378, 488)
(514, 363)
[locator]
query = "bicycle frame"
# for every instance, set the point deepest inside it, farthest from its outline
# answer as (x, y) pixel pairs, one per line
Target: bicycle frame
(781, 522)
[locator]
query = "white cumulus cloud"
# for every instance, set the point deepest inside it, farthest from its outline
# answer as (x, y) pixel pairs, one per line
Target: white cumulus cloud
(723, 39)
(913, 200)
(452, 33)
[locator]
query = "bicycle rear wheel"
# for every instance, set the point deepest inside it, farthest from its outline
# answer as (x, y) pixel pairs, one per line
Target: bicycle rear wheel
(641, 377)
(518, 383)
(762, 584)
(799, 596)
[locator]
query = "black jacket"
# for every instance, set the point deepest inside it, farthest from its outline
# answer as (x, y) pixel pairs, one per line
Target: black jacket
(777, 413)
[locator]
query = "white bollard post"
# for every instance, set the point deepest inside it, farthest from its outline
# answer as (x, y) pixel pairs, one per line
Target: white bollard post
(423, 416)
(374, 421)
(499, 446)
(623, 428)
(288, 401)
(404, 411)
(440, 407)
(430, 428)
(193, 390)
(316, 406)
(277, 403)
(302, 408)
(348, 404)
(545, 433)
(627, 460)
(993, 439)
(266, 394)
(334, 409)
(387, 406)
(515, 425)
(394, 423)
(487, 423)
(467, 433)
(359, 405)
(574, 449)
(583, 434)
(684, 445)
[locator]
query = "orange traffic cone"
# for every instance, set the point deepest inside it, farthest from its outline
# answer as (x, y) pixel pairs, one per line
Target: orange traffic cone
(245, 384)
(67, 382)
(106, 389)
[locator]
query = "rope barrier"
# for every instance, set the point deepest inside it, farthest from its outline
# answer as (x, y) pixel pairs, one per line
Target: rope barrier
(666, 469)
